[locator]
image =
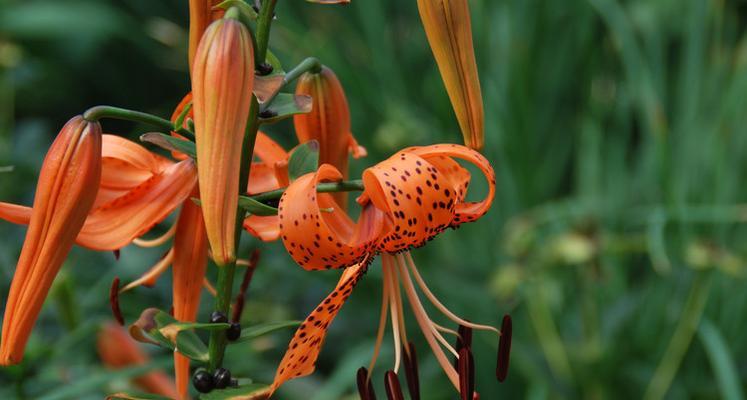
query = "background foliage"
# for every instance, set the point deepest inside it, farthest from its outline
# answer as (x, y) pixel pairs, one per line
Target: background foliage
(617, 129)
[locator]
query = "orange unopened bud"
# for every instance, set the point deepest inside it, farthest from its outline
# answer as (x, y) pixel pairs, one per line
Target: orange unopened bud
(449, 30)
(223, 76)
(328, 122)
(201, 14)
(65, 193)
(118, 350)
(190, 261)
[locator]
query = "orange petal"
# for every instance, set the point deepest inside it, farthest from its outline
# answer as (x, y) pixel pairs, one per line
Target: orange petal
(115, 224)
(190, 262)
(118, 350)
(449, 30)
(464, 211)
(268, 150)
(303, 349)
(201, 13)
(417, 198)
(223, 76)
(266, 228)
(318, 239)
(15, 214)
(186, 100)
(65, 193)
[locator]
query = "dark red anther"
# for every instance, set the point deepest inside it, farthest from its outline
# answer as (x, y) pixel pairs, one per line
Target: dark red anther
(504, 349)
(114, 301)
(466, 371)
(238, 306)
(365, 387)
(391, 383)
(171, 311)
(411, 371)
(463, 340)
(116, 254)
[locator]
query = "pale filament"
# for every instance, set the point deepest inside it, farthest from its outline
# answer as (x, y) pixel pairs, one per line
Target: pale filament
(209, 286)
(443, 341)
(398, 299)
(382, 324)
(149, 278)
(394, 291)
(155, 242)
(425, 324)
(439, 305)
(445, 329)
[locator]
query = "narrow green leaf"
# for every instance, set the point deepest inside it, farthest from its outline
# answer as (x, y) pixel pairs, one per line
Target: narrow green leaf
(170, 143)
(256, 208)
(303, 159)
(135, 396)
(721, 361)
(256, 331)
(157, 327)
(254, 391)
(285, 105)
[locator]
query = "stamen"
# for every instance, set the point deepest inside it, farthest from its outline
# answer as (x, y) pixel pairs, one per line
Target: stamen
(238, 306)
(466, 374)
(444, 329)
(365, 388)
(425, 324)
(209, 286)
(504, 349)
(393, 389)
(394, 290)
(443, 340)
(117, 253)
(438, 304)
(411, 371)
(382, 321)
(114, 301)
(149, 278)
(155, 242)
(397, 297)
(464, 339)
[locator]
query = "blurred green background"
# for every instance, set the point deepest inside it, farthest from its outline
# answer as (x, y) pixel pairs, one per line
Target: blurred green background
(618, 130)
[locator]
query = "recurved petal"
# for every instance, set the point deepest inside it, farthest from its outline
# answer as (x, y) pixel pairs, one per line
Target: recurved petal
(304, 348)
(316, 232)
(268, 150)
(65, 193)
(115, 224)
(449, 30)
(15, 214)
(189, 264)
(266, 228)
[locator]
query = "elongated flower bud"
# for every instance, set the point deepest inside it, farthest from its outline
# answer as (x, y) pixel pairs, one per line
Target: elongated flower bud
(118, 350)
(328, 122)
(201, 14)
(190, 261)
(449, 30)
(65, 193)
(223, 75)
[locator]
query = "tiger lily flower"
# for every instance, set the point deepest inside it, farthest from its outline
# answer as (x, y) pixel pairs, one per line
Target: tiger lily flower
(449, 30)
(407, 200)
(118, 350)
(65, 193)
(328, 122)
(223, 78)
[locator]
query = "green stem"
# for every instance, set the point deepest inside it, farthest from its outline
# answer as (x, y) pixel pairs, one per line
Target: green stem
(310, 64)
(332, 187)
(263, 28)
(683, 335)
(99, 112)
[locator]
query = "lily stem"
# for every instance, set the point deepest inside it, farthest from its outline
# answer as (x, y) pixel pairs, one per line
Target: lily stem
(330, 187)
(264, 21)
(98, 112)
(309, 64)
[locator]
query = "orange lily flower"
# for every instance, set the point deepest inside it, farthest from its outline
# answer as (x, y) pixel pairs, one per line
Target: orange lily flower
(449, 30)
(118, 350)
(328, 122)
(190, 262)
(223, 78)
(408, 199)
(65, 192)
(201, 14)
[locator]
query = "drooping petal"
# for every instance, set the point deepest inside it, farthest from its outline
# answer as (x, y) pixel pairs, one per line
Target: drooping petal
(268, 150)
(464, 211)
(317, 233)
(115, 224)
(65, 193)
(15, 214)
(118, 350)
(266, 228)
(328, 122)
(190, 262)
(417, 198)
(303, 349)
(449, 30)
(223, 76)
